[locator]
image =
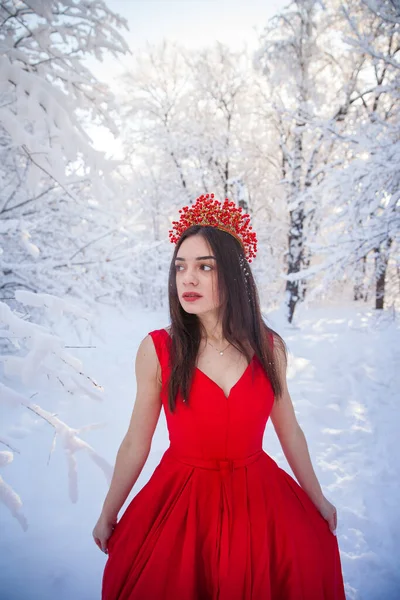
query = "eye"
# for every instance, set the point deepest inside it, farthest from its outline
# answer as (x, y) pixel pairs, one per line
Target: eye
(207, 268)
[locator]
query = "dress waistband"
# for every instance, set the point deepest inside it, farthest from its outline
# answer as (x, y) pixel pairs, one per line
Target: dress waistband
(215, 463)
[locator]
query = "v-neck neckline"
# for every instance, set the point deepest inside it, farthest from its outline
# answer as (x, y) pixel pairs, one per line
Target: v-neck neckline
(214, 382)
(234, 385)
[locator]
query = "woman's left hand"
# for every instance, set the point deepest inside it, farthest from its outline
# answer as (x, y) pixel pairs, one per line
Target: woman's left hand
(328, 511)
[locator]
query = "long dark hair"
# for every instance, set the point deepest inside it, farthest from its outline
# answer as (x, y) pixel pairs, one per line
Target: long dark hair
(239, 312)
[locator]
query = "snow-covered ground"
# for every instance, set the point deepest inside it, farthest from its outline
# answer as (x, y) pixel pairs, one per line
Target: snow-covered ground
(343, 378)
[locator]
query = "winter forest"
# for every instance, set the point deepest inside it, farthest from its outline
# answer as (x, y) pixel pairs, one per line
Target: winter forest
(304, 134)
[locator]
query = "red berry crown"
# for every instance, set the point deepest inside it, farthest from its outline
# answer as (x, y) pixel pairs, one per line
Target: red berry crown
(226, 216)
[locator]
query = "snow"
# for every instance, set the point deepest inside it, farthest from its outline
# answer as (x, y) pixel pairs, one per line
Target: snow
(343, 379)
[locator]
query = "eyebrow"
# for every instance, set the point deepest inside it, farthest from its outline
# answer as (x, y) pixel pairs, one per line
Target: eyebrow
(197, 258)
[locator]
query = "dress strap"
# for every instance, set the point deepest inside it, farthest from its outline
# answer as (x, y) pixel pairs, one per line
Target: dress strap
(161, 341)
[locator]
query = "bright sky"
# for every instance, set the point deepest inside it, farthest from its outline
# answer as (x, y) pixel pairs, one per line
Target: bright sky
(193, 23)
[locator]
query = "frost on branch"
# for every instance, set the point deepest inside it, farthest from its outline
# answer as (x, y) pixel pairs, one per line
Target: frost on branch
(8, 496)
(57, 190)
(41, 361)
(45, 89)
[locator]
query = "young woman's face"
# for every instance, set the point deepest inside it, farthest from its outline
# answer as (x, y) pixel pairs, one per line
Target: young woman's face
(196, 276)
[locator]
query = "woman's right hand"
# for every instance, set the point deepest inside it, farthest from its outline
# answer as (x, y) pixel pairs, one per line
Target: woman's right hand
(103, 531)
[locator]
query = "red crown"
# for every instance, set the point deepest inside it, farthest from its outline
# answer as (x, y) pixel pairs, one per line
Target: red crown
(226, 216)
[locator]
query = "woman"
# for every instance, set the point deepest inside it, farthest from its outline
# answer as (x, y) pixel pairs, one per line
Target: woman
(218, 518)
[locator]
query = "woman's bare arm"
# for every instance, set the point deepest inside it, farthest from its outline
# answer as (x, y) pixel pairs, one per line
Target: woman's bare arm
(291, 436)
(135, 446)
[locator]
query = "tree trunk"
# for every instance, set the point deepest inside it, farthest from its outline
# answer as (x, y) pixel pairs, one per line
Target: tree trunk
(359, 290)
(295, 244)
(296, 223)
(381, 255)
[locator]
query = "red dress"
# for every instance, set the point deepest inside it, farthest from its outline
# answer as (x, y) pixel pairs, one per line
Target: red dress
(219, 519)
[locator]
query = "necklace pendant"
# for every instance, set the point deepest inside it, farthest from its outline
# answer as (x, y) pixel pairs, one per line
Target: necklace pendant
(221, 353)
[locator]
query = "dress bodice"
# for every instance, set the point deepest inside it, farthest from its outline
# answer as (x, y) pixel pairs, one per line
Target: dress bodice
(211, 425)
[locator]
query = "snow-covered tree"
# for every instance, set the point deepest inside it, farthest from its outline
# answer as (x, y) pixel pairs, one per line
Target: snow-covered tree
(359, 203)
(51, 178)
(297, 57)
(321, 84)
(47, 91)
(374, 31)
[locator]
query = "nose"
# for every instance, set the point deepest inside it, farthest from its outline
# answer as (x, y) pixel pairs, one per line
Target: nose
(190, 277)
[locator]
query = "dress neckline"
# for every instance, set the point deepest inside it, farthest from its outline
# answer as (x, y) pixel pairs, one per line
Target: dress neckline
(215, 383)
(234, 385)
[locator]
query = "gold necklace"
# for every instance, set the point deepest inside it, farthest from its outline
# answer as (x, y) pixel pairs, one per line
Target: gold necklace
(220, 351)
